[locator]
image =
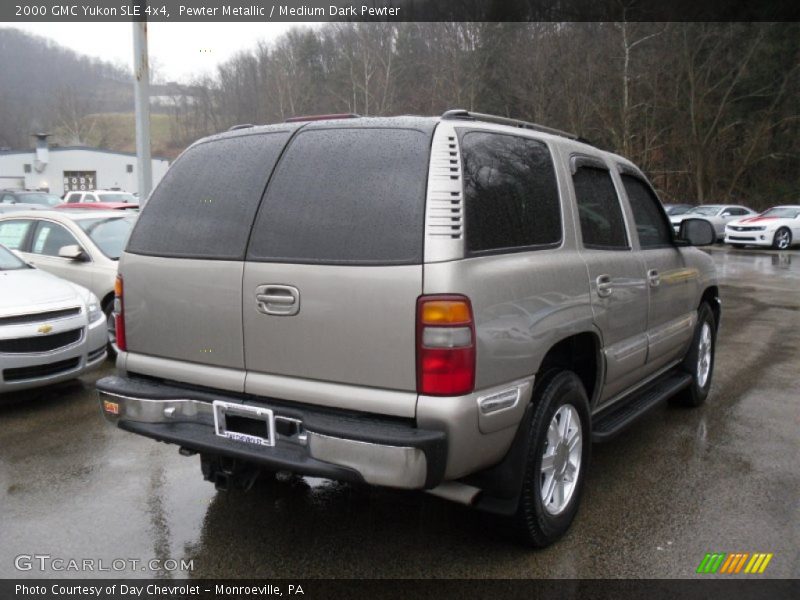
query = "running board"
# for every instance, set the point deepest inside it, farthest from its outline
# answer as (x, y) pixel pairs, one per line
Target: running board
(615, 419)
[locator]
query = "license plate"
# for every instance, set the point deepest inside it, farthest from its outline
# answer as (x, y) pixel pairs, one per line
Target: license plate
(248, 424)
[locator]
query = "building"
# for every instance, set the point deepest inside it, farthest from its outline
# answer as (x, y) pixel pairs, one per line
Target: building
(67, 168)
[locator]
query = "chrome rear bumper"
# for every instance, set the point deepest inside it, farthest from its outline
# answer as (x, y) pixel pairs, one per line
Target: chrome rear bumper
(346, 445)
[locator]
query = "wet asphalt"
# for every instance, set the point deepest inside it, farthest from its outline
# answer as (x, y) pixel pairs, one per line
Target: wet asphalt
(681, 483)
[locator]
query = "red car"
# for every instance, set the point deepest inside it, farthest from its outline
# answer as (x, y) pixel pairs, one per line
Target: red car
(102, 199)
(100, 205)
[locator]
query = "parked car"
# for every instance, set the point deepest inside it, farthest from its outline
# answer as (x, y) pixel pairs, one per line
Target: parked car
(716, 214)
(80, 246)
(107, 196)
(99, 206)
(16, 200)
(778, 227)
(100, 200)
(458, 304)
(51, 330)
(678, 209)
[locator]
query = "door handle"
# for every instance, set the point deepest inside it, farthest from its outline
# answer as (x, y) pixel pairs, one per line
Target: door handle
(604, 287)
(279, 300)
(275, 299)
(653, 278)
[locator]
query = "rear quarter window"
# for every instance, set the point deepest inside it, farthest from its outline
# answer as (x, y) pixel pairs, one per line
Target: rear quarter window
(205, 205)
(346, 196)
(511, 193)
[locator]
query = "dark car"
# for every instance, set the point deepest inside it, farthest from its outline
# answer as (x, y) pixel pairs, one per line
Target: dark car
(11, 200)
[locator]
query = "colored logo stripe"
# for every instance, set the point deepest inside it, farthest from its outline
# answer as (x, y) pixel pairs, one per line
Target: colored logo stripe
(711, 562)
(724, 563)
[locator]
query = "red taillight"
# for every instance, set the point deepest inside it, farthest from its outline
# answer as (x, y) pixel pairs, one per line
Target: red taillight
(445, 346)
(119, 314)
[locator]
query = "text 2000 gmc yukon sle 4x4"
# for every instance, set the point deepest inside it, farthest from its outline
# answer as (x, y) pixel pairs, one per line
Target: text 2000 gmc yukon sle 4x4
(459, 304)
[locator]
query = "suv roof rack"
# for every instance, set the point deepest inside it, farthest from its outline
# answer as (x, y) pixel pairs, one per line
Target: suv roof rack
(460, 113)
(242, 126)
(322, 117)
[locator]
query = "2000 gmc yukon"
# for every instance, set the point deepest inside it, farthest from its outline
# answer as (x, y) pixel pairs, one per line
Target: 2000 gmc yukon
(459, 304)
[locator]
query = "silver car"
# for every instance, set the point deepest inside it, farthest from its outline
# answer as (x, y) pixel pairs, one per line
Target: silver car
(80, 246)
(718, 215)
(459, 304)
(50, 330)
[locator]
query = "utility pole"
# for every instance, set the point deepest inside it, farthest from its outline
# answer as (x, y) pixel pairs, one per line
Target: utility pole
(141, 72)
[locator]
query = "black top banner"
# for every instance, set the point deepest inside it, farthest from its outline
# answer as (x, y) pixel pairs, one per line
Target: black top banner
(399, 10)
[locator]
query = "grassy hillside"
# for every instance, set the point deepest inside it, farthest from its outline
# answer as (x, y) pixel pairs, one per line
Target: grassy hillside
(117, 131)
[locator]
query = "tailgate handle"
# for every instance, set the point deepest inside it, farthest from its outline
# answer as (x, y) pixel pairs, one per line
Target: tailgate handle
(275, 299)
(280, 300)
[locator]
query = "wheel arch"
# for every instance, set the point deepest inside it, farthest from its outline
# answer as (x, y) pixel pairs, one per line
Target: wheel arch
(711, 297)
(107, 299)
(580, 353)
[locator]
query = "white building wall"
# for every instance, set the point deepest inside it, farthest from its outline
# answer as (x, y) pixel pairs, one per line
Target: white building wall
(111, 169)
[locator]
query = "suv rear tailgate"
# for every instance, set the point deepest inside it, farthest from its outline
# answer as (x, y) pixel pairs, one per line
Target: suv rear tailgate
(182, 270)
(334, 265)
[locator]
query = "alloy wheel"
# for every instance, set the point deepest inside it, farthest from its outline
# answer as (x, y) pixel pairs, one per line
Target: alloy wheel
(561, 460)
(704, 356)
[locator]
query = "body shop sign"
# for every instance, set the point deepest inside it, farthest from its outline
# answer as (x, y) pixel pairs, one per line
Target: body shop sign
(77, 181)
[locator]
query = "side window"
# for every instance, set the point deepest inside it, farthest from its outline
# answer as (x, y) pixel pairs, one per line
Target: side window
(7, 199)
(735, 211)
(73, 197)
(12, 233)
(89, 198)
(510, 192)
(50, 238)
(602, 223)
(651, 224)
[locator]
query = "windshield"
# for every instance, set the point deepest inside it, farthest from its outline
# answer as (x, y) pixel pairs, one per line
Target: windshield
(782, 212)
(116, 197)
(9, 261)
(110, 234)
(706, 211)
(678, 210)
(42, 199)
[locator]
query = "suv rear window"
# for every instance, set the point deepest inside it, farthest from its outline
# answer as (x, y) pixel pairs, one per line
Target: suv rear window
(205, 205)
(346, 196)
(511, 193)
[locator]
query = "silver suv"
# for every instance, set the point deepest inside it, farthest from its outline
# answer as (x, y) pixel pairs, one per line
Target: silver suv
(459, 304)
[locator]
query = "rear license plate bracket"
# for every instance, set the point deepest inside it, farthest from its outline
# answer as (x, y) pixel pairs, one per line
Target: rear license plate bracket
(242, 423)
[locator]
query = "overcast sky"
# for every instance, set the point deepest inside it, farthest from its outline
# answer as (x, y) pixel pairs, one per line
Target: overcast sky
(179, 51)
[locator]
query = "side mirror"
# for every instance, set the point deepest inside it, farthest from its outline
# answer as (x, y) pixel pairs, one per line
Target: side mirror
(725, 214)
(72, 252)
(697, 232)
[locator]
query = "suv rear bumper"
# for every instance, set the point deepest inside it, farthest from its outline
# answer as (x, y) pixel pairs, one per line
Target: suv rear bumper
(334, 444)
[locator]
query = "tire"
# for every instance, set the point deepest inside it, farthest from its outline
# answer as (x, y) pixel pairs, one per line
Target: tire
(704, 343)
(782, 239)
(546, 509)
(111, 329)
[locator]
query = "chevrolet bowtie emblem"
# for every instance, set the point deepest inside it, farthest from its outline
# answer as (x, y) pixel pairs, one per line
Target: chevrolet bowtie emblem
(46, 328)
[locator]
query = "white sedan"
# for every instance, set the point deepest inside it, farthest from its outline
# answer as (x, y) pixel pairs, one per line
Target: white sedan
(51, 330)
(82, 246)
(716, 214)
(778, 227)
